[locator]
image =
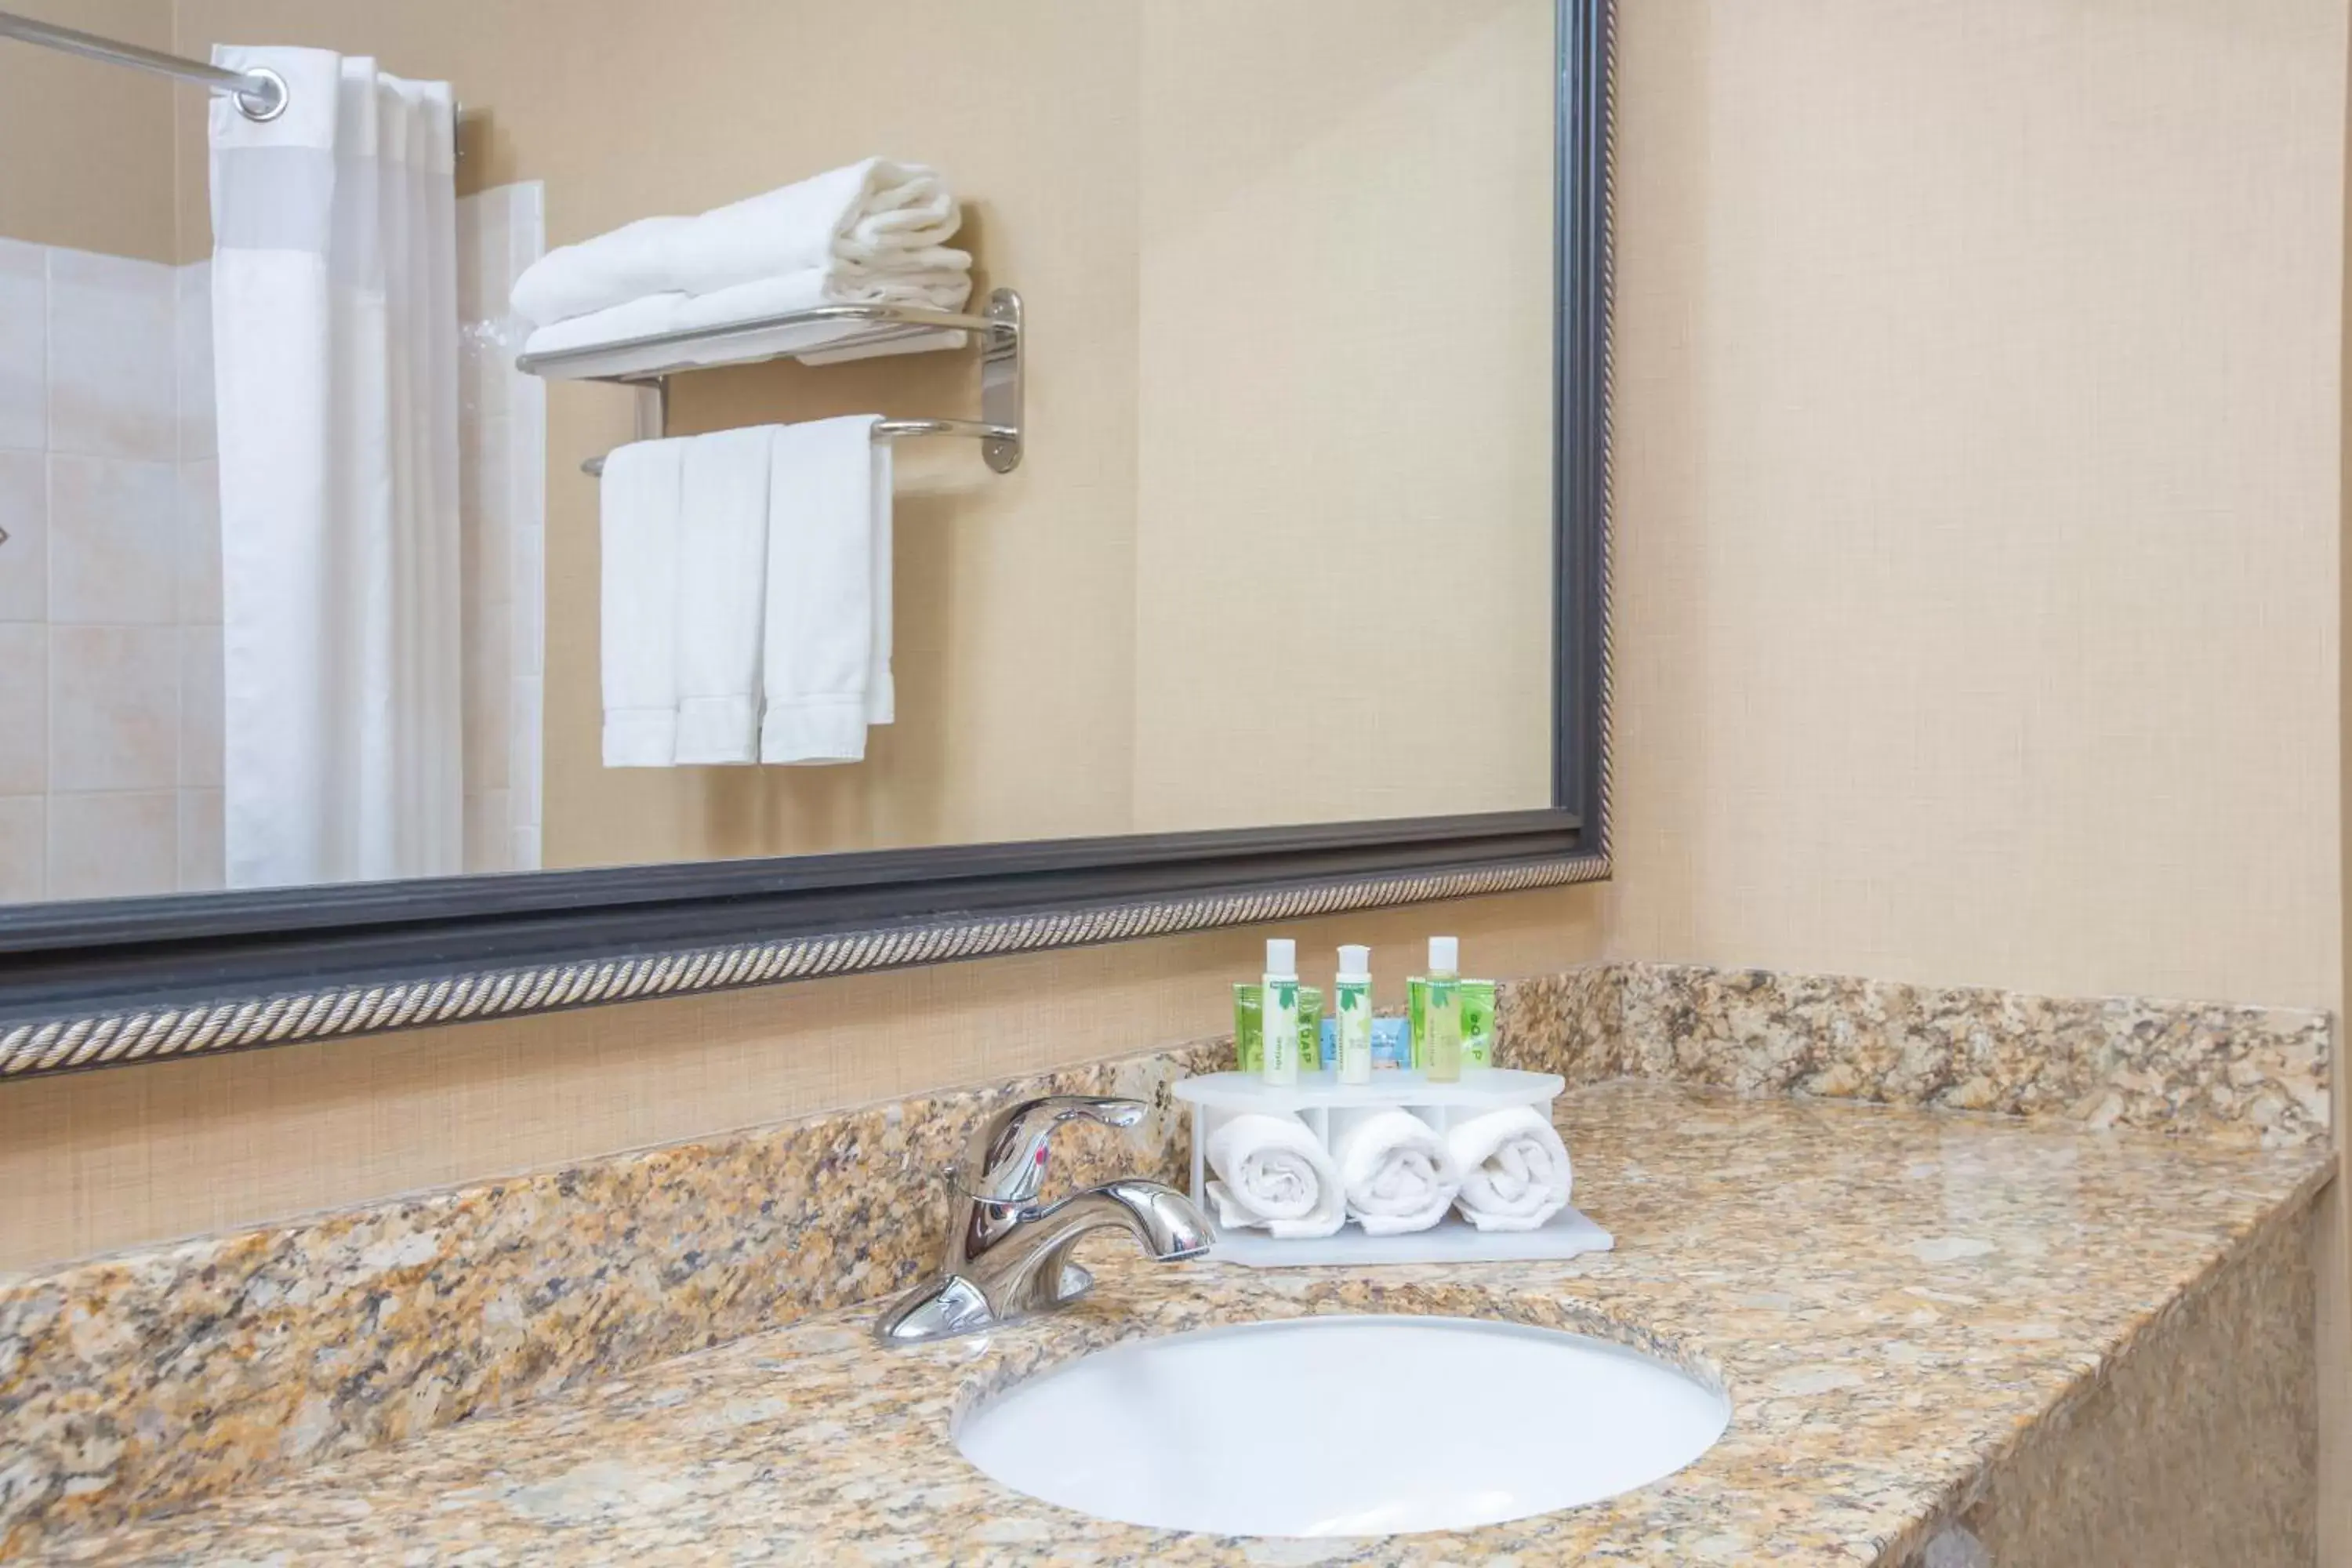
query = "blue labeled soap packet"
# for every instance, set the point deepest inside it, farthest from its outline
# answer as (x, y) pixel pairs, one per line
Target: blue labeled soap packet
(1392, 1045)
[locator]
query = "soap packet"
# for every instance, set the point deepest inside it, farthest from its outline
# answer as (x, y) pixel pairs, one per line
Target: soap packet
(1477, 1021)
(1392, 1045)
(1249, 1024)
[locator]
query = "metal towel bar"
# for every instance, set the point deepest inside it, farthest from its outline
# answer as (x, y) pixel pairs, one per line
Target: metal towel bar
(892, 431)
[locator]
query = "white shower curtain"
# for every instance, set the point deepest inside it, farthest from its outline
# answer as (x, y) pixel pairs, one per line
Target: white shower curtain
(335, 355)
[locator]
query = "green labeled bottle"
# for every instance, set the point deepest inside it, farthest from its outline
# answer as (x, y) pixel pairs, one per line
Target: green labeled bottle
(1278, 1015)
(1352, 995)
(1443, 1010)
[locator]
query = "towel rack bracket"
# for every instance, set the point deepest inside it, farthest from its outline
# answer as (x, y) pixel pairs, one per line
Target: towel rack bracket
(1001, 392)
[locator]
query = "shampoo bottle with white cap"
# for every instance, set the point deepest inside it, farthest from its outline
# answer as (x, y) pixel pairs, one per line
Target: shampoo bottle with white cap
(1444, 1010)
(1280, 1014)
(1351, 1008)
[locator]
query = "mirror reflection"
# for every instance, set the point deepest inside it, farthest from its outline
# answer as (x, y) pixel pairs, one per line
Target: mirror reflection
(306, 578)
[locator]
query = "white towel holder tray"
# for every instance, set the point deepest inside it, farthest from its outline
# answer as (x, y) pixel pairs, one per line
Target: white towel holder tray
(1317, 1100)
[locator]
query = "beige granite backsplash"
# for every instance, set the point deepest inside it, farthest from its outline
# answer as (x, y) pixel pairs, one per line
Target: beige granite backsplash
(154, 1378)
(2240, 1074)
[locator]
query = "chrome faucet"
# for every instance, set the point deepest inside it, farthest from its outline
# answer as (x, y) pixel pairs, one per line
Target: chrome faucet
(1009, 1256)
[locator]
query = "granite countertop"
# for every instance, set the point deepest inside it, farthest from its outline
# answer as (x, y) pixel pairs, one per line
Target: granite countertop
(1890, 1296)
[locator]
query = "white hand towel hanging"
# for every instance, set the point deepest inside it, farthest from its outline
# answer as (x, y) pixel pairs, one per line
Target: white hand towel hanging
(1398, 1173)
(721, 583)
(857, 222)
(1273, 1172)
(640, 500)
(828, 666)
(1515, 1169)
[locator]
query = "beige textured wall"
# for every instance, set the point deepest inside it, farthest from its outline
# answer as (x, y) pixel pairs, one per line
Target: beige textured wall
(1977, 403)
(86, 149)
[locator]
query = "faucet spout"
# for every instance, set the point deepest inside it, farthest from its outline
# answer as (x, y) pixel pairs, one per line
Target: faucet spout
(1024, 1267)
(1009, 1256)
(1027, 1268)
(1163, 1220)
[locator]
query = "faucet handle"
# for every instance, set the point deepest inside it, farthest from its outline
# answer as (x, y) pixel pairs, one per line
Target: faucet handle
(1005, 1162)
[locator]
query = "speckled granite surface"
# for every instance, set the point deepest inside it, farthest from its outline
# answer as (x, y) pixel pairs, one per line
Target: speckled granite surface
(1892, 1298)
(168, 1376)
(163, 1376)
(2201, 1446)
(2257, 1075)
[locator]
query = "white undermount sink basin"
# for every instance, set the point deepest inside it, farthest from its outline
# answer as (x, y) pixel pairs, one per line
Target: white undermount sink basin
(1339, 1426)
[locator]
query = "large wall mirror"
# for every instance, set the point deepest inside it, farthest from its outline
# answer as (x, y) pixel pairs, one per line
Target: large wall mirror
(518, 506)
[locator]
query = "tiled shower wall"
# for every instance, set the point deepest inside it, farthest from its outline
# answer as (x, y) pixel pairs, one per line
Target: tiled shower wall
(110, 572)
(110, 579)
(503, 465)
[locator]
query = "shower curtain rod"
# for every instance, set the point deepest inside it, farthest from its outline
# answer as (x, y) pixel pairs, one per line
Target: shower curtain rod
(260, 94)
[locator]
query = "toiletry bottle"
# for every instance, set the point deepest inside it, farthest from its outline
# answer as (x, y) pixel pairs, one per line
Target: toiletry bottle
(1352, 1007)
(1278, 1017)
(1444, 1011)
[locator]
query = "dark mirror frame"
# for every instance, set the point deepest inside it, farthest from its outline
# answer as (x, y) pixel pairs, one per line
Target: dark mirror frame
(130, 980)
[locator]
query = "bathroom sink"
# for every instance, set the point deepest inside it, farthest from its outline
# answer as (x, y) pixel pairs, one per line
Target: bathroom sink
(1344, 1426)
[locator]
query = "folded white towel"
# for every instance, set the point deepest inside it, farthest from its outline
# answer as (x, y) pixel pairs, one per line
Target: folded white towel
(1397, 1171)
(1515, 1169)
(722, 581)
(660, 313)
(868, 219)
(827, 666)
(640, 503)
(1273, 1172)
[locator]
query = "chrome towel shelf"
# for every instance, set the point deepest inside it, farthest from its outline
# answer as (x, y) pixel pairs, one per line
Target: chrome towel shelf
(649, 361)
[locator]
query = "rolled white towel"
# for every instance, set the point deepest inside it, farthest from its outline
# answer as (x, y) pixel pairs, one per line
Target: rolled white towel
(1515, 1169)
(871, 217)
(1273, 1172)
(1399, 1175)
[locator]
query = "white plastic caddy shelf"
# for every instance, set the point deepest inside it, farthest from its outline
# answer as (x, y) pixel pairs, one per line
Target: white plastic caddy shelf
(1328, 1106)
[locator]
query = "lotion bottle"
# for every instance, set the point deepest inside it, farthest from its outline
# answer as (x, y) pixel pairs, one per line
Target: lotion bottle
(1444, 1010)
(1279, 1015)
(1351, 1007)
